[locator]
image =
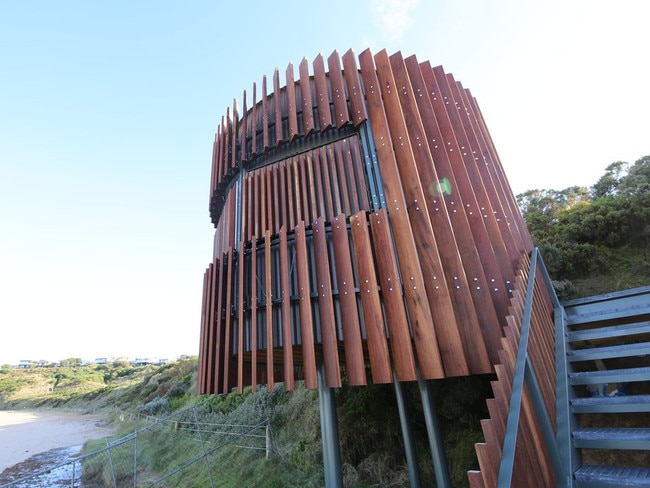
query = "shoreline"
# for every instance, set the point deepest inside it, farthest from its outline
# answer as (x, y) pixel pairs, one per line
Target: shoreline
(25, 433)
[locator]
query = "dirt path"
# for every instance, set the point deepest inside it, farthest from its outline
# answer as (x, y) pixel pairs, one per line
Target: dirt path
(24, 433)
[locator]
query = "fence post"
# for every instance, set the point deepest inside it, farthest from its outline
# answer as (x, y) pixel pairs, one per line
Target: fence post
(110, 458)
(135, 460)
(268, 442)
(205, 456)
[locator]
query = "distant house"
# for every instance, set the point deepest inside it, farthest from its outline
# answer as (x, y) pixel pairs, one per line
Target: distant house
(140, 362)
(26, 363)
(101, 360)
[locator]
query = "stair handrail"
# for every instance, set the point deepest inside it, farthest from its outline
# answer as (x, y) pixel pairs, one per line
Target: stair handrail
(525, 372)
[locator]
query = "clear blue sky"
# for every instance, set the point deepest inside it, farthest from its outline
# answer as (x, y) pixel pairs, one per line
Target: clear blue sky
(108, 111)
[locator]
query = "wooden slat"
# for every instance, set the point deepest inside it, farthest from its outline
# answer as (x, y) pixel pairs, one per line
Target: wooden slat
(277, 203)
(240, 318)
(243, 130)
(391, 292)
(260, 174)
(362, 190)
(357, 102)
(320, 162)
(339, 99)
(277, 107)
(313, 198)
(307, 102)
(254, 151)
(283, 196)
(204, 348)
(319, 211)
(227, 324)
(297, 189)
(475, 479)
(269, 310)
(502, 201)
(496, 274)
(271, 224)
(332, 169)
(221, 155)
(426, 341)
(483, 294)
(459, 140)
(219, 286)
(326, 306)
(304, 294)
(285, 299)
(265, 116)
(304, 188)
(371, 304)
(287, 169)
(322, 94)
(478, 117)
(414, 161)
(227, 143)
(211, 346)
(474, 152)
(486, 461)
(233, 135)
(246, 207)
(257, 204)
(213, 172)
(292, 109)
(354, 361)
(254, 341)
(341, 165)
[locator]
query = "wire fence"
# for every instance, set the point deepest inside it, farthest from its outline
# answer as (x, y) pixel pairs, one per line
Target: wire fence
(166, 453)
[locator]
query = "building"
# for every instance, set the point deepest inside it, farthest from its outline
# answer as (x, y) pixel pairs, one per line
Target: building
(365, 228)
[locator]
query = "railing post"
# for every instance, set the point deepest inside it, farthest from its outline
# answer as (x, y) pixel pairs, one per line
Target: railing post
(565, 422)
(545, 425)
(512, 424)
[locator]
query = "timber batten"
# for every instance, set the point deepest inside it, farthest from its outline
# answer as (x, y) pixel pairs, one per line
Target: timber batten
(363, 221)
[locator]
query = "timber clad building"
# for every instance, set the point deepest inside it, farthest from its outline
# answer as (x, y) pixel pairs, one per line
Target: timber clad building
(364, 229)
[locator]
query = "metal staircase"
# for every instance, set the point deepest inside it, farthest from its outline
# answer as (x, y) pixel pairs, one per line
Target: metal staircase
(608, 369)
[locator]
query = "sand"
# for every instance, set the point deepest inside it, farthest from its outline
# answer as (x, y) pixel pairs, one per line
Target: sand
(24, 433)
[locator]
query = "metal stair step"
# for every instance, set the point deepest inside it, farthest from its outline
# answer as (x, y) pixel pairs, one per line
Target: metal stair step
(612, 438)
(614, 306)
(609, 331)
(608, 476)
(610, 376)
(605, 352)
(615, 404)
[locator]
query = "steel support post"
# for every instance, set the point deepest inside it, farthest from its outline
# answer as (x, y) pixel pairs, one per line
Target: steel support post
(329, 432)
(407, 434)
(435, 435)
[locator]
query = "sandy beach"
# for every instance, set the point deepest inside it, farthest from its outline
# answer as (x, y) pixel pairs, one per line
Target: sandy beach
(24, 433)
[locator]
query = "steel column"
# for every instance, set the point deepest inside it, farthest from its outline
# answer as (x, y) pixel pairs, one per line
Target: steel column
(407, 434)
(438, 456)
(329, 432)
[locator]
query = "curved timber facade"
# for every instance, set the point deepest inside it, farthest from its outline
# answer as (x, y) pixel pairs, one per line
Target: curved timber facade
(363, 222)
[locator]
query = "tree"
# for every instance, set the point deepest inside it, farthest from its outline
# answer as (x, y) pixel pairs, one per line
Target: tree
(608, 184)
(71, 362)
